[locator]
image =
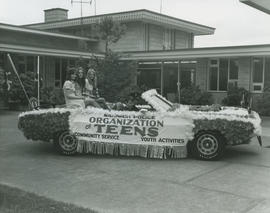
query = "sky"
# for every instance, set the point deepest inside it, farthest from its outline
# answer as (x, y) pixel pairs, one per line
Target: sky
(235, 22)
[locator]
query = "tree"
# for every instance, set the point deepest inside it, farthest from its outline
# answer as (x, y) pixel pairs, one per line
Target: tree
(109, 31)
(114, 76)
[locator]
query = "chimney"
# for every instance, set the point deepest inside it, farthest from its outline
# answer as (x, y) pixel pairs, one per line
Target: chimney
(55, 14)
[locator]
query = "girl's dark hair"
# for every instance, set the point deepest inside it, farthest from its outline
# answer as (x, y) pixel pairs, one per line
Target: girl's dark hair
(70, 70)
(81, 81)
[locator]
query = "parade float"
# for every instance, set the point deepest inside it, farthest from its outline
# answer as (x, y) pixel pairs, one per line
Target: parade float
(160, 129)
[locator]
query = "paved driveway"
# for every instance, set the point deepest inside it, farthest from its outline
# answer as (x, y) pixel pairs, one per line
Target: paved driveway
(238, 183)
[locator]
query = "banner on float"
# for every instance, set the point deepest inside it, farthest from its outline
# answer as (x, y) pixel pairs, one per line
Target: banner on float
(135, 128)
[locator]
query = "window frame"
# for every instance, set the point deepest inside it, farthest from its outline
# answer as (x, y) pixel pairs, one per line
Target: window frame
(232, 80)
(263, 75)
(213, 65)
(59, 81)
(229, 80)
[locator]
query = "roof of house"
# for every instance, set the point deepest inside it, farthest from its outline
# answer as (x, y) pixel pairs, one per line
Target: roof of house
(143, 15)
(25, 49)
(263, 5)
(41, 32)
(58, 8)
(206, 52)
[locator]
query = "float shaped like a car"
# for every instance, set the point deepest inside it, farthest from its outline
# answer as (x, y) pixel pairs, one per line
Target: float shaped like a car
(159, 130)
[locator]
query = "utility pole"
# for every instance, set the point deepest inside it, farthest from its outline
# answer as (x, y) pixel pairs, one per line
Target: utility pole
(160, 8)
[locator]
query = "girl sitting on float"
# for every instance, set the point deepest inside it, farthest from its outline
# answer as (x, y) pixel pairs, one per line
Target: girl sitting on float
(84, 88)
(91, 85)
(72, 91)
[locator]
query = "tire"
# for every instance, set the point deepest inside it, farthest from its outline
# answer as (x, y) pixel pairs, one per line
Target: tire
(66, 143)
(207, 145)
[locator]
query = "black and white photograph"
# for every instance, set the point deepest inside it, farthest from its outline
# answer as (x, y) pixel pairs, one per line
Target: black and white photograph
(158, 106)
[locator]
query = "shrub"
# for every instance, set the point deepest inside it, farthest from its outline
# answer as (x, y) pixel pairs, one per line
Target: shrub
(3, 85)
(194, 96)
(16, 92)
(263, 103)
(132, 92)
(131, 96)
(52, 96)
(2, 81)
(235, 96)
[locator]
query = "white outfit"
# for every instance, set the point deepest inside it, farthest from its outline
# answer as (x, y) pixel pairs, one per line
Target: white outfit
(69, 88)
(89, 87)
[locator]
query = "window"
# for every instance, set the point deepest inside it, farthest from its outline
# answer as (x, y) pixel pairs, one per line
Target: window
(21, 64)
(64, 71)
(257, 74)
(233, 72)
(25, 63)
(31, 63)
(213, 74)
(222, 73)
(57, 74)
(71, 63)
(149, 75)
(167, 39)
(234, 68)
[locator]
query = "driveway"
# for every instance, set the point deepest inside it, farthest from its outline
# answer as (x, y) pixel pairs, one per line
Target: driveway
(237, 183)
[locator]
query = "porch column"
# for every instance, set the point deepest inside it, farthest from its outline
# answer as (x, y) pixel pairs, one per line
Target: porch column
(178, 81)
(161, 78)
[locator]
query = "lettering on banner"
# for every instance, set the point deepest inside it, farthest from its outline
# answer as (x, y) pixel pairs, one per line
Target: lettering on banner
(111, 127)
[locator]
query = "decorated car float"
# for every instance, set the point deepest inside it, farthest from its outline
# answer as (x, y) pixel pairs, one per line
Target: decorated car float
(164, 130)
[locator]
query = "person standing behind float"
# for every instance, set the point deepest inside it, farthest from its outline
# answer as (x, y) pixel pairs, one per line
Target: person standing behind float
(72, 97)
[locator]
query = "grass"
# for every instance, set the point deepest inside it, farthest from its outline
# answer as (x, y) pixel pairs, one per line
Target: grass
(14, 200)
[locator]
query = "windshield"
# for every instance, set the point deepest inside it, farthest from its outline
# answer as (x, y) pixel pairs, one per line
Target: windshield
(157, 101)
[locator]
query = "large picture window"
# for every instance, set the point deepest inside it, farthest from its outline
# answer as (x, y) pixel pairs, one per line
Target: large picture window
(25, 63)
(222, 72)
(149, 75)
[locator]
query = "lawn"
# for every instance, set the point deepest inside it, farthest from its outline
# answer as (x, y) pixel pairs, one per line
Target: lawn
(14, 200)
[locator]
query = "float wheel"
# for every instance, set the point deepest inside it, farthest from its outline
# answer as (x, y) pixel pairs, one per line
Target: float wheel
(207, 145)
(66, 143)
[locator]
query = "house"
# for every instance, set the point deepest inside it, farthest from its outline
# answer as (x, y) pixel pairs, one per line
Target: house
(161, 45)
(263, 5)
